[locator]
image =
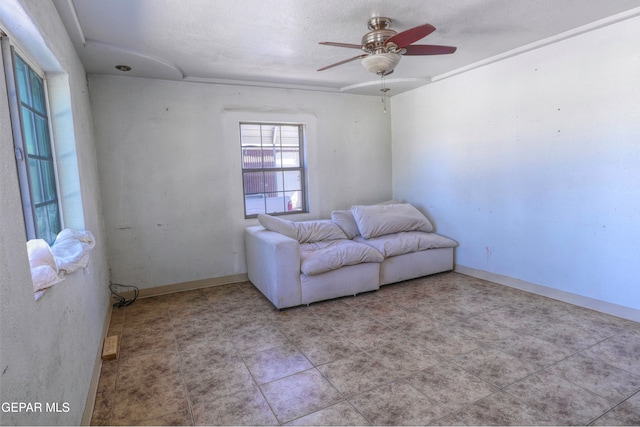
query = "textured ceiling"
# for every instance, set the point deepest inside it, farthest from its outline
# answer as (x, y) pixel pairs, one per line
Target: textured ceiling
(275, 42)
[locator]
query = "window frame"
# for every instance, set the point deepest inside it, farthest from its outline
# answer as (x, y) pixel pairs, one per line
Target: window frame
(301, 169)
(22, 156)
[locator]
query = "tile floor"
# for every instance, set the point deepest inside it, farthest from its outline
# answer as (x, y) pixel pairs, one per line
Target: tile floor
(448, 349)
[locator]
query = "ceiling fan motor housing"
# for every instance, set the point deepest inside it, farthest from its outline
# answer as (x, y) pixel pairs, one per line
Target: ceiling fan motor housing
(374, 41)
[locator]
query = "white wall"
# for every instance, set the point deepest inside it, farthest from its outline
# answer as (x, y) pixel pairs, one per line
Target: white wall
(49, 347)
(169, 166)
(533, 163)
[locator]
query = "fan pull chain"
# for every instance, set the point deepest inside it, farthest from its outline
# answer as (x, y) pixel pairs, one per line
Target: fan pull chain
(384, 91)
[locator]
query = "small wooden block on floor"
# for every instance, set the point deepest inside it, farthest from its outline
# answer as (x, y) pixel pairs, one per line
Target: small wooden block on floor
(110, 348)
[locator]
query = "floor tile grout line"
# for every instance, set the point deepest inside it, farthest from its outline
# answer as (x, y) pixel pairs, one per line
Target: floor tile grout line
(182, 373)
(536, 372)
(262, 393)
(468, 404)
(117, 369)
(579, 352)
(613, 408)
(259, 386)
(526, 402)
(371, 316)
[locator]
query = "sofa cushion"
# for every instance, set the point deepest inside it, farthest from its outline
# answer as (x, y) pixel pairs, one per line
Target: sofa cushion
(406, 242)
(320, 257)
(380, 220)
(346, 221)
(318, 231)
(279, 225)
(303, 231)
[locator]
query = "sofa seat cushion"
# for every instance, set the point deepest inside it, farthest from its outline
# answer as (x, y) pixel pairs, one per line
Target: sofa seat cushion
(406, 242)
(320, 257)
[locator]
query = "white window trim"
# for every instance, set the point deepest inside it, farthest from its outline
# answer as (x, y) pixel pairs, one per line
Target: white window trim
(231, 127)
(302, 142)
(9, 48)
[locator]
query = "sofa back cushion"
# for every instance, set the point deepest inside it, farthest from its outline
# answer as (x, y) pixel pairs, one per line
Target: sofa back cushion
(346, 221)
(380, 220)
(303, 231)
(279, 225)
(318, 231)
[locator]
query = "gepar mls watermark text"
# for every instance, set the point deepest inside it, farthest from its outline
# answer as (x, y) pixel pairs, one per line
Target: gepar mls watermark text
(35, 407)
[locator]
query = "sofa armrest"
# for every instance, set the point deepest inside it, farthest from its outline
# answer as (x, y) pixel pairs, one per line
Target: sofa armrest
(273, 265)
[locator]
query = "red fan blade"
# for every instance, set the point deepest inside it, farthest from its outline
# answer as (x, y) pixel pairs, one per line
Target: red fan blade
(429, 49)
(343, 62)
(353, 46)
(405, 38)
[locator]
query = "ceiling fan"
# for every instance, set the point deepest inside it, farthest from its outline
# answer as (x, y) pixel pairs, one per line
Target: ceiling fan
(383, 46)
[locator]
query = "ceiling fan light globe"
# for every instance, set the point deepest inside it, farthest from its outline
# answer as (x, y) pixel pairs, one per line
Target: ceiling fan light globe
(381, 63)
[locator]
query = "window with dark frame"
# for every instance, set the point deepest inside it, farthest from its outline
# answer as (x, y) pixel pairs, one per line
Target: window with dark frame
(273, 172)
(34, 152)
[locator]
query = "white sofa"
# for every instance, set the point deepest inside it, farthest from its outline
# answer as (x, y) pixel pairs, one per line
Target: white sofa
(358, 250)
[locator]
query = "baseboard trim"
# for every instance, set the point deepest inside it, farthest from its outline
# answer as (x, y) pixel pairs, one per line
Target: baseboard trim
(95, 376)
(189, 286)
(568, 297)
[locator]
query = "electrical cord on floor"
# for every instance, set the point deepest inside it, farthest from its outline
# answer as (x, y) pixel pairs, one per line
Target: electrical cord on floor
(120, 300)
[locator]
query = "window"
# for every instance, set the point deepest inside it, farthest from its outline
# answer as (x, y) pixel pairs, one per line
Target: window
(273, 168)
(33, 148)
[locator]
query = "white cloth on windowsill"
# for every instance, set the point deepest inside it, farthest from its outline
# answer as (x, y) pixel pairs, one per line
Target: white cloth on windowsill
(49, 264)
